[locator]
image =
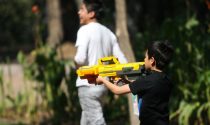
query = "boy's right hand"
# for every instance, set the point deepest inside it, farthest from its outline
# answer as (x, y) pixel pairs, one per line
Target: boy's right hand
(99, 80)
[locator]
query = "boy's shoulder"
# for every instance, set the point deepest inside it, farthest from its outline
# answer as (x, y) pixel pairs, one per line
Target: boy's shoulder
(154, 75)
(92, 25)
(85, 29)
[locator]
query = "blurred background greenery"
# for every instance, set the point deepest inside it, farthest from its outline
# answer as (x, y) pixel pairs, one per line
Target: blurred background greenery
(48, 94)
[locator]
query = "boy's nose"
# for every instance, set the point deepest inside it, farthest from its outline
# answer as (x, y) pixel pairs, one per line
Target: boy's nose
(79, 11)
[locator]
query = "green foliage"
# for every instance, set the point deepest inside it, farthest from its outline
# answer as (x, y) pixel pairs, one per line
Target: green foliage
(14, 103)
(16, 21)
(192, 22)
(116, 109)
(44, 66)
(2, 106)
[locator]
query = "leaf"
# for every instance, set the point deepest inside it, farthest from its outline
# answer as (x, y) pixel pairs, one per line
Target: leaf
(21, 57)
(204, 107)
(192, 22)
(187, 112)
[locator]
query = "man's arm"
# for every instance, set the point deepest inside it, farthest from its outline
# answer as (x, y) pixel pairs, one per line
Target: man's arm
(80, 56)
(82, 47)
(77, 65)
(117, 52)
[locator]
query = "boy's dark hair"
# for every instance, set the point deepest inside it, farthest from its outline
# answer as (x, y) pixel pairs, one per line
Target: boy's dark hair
(162, 52)
(96, 6)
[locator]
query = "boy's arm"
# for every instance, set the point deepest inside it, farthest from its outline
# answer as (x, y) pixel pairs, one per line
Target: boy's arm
(114, 88)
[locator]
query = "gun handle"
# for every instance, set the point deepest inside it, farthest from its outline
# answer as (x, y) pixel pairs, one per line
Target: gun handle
(92, 80)
(110, 60)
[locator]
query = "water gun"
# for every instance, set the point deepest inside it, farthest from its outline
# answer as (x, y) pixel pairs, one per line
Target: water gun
(110, 67)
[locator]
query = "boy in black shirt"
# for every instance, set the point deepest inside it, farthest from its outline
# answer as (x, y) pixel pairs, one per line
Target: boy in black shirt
(154, 89)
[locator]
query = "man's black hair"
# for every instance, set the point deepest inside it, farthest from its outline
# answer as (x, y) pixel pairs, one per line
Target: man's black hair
(162, 52)
(96, 6)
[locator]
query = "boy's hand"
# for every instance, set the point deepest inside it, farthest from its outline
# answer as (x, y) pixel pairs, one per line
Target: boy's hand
(116, 81)
(99, 80)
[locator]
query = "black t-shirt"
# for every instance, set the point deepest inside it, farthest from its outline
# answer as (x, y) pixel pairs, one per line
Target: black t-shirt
(154, 89)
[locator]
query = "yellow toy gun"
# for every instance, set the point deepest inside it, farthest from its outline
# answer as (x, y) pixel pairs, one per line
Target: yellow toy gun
(110, 67)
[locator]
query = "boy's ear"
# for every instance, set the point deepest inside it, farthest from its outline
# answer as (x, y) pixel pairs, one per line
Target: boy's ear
(152, 61)
(92, 14)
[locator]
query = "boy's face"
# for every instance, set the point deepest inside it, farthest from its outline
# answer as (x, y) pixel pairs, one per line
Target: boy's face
(149, 63)
(85, 16)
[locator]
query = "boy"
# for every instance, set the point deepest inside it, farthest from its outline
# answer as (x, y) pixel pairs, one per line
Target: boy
(94, 41)
(154, 88)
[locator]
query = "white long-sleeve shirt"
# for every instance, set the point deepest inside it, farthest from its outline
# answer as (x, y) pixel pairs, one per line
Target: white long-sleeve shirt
(95, 41)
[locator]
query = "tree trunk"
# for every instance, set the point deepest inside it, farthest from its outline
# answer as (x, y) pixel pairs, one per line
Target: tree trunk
(123, 38)
(54, 23)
